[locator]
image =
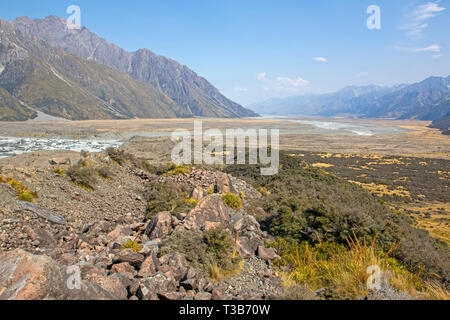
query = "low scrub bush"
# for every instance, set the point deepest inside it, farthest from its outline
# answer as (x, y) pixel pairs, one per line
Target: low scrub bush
(306, 205)
(342, 270)
(133, 245)
(23, 192)
(168, 197)
(212, 252)
(233, 201)
(120, 156)
(82, 175)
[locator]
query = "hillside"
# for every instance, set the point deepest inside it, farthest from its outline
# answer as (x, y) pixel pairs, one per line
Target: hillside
(442, 124)
(192, 93)
(174, 233)
(39, 77)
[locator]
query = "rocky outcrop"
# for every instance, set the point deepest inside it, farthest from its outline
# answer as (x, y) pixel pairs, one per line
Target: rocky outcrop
(25, 276)
(118, 256)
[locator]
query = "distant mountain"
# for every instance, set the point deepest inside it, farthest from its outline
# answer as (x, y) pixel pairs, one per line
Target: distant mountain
(426, 100)
(194, 95)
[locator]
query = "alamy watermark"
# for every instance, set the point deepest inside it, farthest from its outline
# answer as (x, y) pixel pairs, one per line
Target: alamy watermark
(229, 148)
(74, 279)
(374, 20)
(377, 279)
(74, 21)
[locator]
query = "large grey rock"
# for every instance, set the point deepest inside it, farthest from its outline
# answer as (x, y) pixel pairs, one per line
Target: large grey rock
(149, 288)
(209, 209)
(160, 226)
(24, 276)
(133, 258)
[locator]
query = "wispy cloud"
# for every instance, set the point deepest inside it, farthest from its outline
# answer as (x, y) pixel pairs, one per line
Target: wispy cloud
(282, 84)
(363, 74)
(432, 48)
(240, 89)
(321, 59)
(416, 21)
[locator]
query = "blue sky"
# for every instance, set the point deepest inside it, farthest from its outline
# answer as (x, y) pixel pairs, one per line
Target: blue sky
(254, 50)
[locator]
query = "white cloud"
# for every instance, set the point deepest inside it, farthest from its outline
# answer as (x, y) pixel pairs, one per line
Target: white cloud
(282, 84)
(240, 89)
(437, 56)
(416, 21)
(433, 48)
(363, 74)
(321, 59)
(262, 77)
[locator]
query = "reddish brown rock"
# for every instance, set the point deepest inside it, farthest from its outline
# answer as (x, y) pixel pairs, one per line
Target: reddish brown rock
(267, 254)
(123, 267)
(120, 231)
(133, 258)
(148, 268)
(160, 226)
(203, 296)
(210, 209)
(171, 296)
(24, 276)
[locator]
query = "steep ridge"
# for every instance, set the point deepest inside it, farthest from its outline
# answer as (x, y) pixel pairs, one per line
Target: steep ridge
(194, 94)
(40, 77)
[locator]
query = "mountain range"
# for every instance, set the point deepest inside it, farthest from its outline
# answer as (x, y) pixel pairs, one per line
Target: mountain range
(76, 75)
(426, 100)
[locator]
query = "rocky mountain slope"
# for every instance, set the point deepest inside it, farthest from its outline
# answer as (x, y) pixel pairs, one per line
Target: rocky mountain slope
(427, 100)
(39, 77)
(133, 230)
(442, 124)
(194, 95)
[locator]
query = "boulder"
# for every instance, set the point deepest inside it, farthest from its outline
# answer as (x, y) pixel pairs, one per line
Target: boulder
(120, 231)
(197, 194)
(113, 284)
(175, 263)
(148, 268)
(24, 276)
(267, 254)
(224, 184)
(209, 209)
(123, 267)
(160, 226)
(203, 296)
(133, 258)
(60, 161)
(247, 246)
(149, 288)
(172, 296)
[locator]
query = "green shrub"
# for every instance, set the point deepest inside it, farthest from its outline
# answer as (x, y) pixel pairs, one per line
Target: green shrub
(211, 252)
(179, 170)
(233, 201)
(168, 197)
(59, 172)
(26, 196)
(305, 204)
(105, 172)
(23, 192)
(83, 176)
(133, 245)
(120, 156)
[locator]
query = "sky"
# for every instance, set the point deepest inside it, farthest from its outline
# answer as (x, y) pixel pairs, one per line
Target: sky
(256, 50)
